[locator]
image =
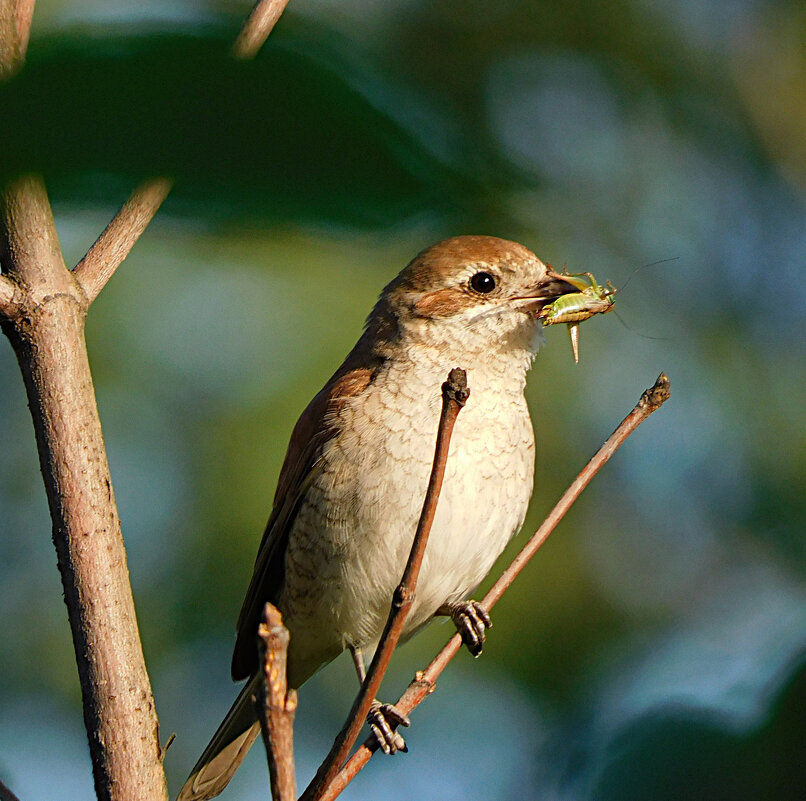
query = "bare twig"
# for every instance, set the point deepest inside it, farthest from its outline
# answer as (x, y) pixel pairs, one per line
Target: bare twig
(48, 339)
(258, 26)
(424, 682)
(6, 794)
(276, 705)
(118, 238)
(454, 397)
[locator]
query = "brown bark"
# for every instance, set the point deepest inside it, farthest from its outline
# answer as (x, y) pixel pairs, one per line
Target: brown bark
(259, 24)
(46, 329)
(119, 237)
(277, 705)
(10, 57)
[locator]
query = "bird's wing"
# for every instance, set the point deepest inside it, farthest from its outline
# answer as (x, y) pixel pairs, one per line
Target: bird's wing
(316, 425)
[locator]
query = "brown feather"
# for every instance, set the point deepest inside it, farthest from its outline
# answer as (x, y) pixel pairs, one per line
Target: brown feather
(313, 429)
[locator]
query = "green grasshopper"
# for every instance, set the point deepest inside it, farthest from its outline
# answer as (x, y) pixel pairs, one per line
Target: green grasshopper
(575, 307)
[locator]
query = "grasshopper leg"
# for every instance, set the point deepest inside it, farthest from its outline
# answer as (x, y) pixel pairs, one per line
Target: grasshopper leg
(573, 333)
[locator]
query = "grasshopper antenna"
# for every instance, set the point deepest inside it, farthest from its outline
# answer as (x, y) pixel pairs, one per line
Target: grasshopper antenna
(626, 283)
(638, 333)
(642, 267)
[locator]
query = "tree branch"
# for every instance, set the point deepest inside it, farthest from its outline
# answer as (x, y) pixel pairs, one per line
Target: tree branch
(454, 397)
(119, 237)
(48, 339)
(8, 305)
(424, 682)
(258, 26)
(6, 794)
(277, 705)
(15, 26)
(23, 15)
(10, 58)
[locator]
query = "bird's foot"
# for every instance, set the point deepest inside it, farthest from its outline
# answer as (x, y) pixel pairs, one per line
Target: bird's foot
(383, 719)
(471, 621)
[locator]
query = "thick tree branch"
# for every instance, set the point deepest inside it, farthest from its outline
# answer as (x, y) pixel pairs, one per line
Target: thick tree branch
(277, 705)
(10, 58)
(424, 682)
(454, 397)
(258, 26)
(8, 305)
(118, 238)
(23, 15)
(15, 27)
(48, 338)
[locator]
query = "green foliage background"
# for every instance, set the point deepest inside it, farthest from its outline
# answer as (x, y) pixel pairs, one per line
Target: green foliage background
(656, 647)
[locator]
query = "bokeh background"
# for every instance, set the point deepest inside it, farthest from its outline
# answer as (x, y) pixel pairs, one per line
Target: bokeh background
(656, 646)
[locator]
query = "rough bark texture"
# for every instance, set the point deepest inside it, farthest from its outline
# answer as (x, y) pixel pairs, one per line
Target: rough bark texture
(47, 332)
(277, 705)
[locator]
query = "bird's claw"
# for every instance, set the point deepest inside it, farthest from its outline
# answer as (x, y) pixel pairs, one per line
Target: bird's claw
(383, 719)
(471, 621)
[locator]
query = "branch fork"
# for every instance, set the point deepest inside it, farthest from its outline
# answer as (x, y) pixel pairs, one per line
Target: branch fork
(424, 682)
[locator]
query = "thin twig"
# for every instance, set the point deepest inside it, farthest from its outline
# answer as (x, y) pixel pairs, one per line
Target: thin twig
(6, 794)
(277, 705)
(424, 682)
(454, 397)
(258, 26)
(119, 237)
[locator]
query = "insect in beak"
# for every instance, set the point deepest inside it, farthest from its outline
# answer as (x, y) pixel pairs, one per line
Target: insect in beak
(575, 307)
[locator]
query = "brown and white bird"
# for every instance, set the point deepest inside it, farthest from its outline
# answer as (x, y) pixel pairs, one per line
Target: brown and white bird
(354, 477)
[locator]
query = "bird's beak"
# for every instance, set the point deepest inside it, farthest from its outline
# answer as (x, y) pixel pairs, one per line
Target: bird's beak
(549, 288)
(554, 285)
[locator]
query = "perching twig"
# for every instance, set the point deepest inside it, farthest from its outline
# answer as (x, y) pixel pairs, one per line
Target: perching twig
(454, 397)
(258, 26)
(6, 794)
(276, 705)
(424, 682)
(118, 238)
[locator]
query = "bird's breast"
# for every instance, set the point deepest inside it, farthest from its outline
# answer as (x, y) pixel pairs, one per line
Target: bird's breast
(354, 529)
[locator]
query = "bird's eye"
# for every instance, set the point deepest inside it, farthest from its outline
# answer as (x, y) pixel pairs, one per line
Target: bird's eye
(483, 282)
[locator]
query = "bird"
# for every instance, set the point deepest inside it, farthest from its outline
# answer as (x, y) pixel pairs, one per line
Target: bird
(351, 487)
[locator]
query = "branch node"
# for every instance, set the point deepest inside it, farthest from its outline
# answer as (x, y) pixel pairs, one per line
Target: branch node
(9, 303)
(657, 394)
(455, 388)
(403, 596)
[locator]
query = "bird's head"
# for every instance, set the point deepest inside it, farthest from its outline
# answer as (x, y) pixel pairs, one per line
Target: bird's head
(477, 292)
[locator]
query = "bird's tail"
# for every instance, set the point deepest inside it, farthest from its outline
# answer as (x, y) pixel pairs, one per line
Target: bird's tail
(226, 750)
